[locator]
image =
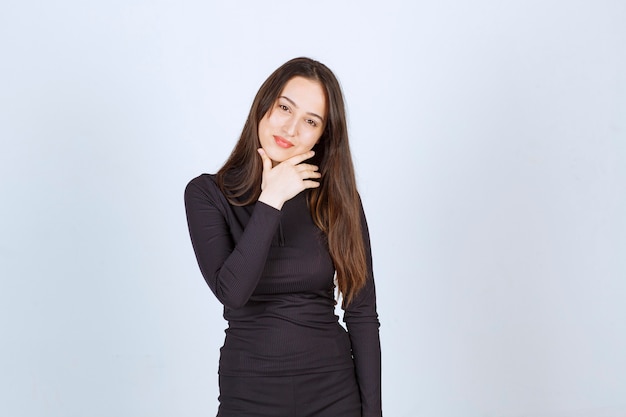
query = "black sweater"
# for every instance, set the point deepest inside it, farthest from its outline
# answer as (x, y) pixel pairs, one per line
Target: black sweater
(272, 272)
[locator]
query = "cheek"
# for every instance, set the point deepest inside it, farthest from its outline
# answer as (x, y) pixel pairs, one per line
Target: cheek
(312, 140)
(275, 119)
(268, 121)
(262, 126)
(264, 131)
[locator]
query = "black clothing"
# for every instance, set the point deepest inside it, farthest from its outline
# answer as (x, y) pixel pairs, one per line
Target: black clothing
(272, 272)
(326, 394)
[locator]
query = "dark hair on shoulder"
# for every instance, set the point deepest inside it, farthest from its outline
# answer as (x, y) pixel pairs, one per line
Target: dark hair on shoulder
(335, 205)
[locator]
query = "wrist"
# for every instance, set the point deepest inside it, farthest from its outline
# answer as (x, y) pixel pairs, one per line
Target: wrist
(271, 200)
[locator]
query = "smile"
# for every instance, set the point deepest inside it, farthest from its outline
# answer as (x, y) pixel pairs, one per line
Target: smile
(282, 142)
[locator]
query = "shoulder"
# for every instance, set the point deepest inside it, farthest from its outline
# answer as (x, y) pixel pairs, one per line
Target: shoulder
(204, 187)
(204, 182)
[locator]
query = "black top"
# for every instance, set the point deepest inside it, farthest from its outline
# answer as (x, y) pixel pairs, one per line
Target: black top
(272, 271)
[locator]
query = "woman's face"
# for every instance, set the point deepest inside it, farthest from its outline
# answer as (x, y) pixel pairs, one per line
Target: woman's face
(296, 120)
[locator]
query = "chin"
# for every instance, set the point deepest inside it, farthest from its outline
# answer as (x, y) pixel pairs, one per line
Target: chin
(278, 155)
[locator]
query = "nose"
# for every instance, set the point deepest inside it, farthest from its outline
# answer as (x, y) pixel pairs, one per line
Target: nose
(290, 126)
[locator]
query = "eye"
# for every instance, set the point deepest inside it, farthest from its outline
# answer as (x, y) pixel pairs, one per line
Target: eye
(311, 122)
(283, 107)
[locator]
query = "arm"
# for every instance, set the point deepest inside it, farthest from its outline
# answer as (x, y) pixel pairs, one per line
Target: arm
(231, 271)
(362, 322)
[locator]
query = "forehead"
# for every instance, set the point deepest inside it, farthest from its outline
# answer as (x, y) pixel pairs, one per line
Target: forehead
(307, 94)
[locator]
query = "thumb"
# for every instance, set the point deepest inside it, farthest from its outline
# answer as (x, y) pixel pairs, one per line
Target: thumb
(267, 162)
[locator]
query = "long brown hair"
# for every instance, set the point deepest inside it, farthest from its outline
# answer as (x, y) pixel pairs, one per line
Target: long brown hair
(335, 205)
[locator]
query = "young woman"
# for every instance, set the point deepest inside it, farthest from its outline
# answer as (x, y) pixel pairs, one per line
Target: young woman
(274, 231)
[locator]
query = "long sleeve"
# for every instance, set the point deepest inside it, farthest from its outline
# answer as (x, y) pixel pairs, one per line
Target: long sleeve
(362, 322)
(231, 271)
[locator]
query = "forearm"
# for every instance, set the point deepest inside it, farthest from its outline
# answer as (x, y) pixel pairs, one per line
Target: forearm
(235, 281)
(231, 269)
(367, 361)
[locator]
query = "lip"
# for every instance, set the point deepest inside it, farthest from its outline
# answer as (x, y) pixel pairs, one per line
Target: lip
(282, 142)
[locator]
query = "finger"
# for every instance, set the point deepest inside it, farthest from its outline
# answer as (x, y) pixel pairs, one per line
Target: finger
(310, 174)
(267, 162)
(307, 167)
(310, 184)
(295, 160)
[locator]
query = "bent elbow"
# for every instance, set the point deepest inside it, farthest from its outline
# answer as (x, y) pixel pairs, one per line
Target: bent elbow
(232, 302)
(227, 288)
(231, 296)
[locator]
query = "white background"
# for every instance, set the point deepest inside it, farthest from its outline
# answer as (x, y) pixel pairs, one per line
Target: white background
(489, 139)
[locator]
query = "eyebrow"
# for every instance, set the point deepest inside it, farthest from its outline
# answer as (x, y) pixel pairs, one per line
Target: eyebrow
(296, 106)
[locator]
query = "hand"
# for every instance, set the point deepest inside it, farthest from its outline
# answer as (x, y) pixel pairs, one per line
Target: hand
(287, 179)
